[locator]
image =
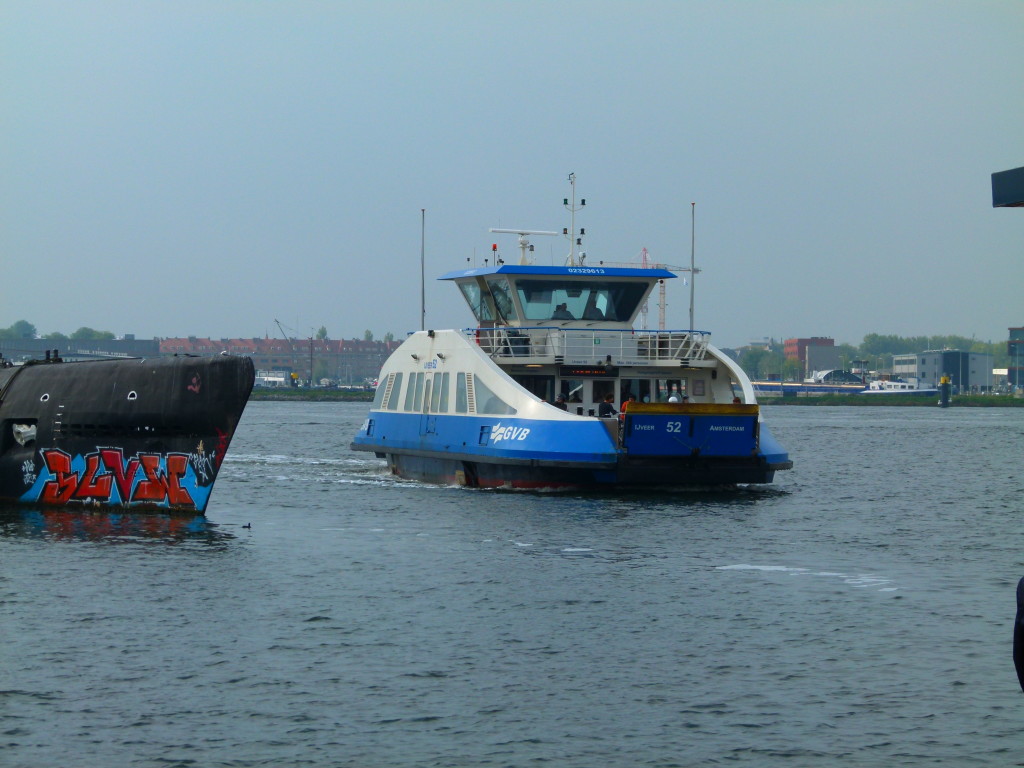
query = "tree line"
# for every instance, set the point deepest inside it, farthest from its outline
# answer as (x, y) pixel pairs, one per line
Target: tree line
(875, 351)
(23, 329)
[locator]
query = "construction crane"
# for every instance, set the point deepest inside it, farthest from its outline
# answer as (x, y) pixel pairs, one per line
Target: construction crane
(291, 348)
(287, 338)
(662, 304)
(646, 263)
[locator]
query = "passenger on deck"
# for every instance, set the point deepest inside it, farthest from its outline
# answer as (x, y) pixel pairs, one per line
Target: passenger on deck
(562, 313)
(606, 409)
(560, 402)
(626, 402)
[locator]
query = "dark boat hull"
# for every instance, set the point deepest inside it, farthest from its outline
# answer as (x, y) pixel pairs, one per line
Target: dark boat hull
(133, 433)
(626, 472)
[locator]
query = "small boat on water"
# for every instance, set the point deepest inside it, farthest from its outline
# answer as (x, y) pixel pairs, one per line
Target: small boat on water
(530, 396)
(897, 387)
(121, 433)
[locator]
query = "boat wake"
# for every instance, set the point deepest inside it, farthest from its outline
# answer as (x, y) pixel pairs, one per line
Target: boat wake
(857, 581)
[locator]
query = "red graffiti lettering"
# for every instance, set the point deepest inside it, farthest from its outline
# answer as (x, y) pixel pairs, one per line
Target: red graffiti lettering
(94, 485)
(107, 469)
(60, 489)
(154, 487)
(123, 475)
(177, 463)
(157, 486)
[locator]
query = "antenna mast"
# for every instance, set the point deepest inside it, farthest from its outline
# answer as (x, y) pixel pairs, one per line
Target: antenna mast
(574, 241)
(693, 269)
(423, 284)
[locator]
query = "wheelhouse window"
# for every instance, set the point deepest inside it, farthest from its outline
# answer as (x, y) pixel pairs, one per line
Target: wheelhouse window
(502, 295)
(477, 302)
(570, 300)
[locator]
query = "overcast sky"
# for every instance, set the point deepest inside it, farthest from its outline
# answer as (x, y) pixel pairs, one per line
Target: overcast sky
(204, 168)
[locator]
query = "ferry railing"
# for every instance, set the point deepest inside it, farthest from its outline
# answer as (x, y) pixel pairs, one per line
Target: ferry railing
(584, 346)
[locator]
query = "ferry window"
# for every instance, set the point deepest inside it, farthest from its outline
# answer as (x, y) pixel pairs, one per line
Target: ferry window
(666, 388)
(488, 402)
(435, 396)
(378, 397)
(572, 389)
(410, 391)
(460, 393)
(426, 397)
(418, 396)
(396, 390)
(543, 299)
(502, 299)
(541, 386)
(546, 299)
(481, 309)
(443, 400)
(639, 388)
(602, 388)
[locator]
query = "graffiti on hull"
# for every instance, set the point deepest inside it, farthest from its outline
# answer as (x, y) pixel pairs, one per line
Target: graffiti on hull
(106, 477)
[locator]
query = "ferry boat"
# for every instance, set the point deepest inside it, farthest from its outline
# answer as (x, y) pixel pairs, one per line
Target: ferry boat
(522, 398)
(126, 433)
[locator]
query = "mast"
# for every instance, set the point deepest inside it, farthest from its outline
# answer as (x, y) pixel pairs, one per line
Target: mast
(423, 270)
(693, 269)
(571, 231)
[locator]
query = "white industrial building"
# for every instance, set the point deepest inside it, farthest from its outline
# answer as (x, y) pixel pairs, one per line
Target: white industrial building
(968, 371)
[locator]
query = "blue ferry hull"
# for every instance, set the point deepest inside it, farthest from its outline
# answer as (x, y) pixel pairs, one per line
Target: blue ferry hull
(726, 447)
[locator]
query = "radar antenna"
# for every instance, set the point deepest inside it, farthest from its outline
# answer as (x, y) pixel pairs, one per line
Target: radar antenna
(524, 244)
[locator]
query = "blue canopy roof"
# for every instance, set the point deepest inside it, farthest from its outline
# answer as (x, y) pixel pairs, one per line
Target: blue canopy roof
(581, 271)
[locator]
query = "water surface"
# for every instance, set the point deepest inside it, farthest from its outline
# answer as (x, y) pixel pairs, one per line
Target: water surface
(857, 613)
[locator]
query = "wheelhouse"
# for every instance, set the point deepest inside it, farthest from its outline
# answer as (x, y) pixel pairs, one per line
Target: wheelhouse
(569, 331)
(526, 295)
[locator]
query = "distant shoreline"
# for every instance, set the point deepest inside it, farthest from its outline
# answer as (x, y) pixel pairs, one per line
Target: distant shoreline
(283, 394)
(957, 401)
(314, 395)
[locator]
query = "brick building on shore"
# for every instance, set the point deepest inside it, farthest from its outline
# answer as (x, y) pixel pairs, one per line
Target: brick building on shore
(350, 362)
